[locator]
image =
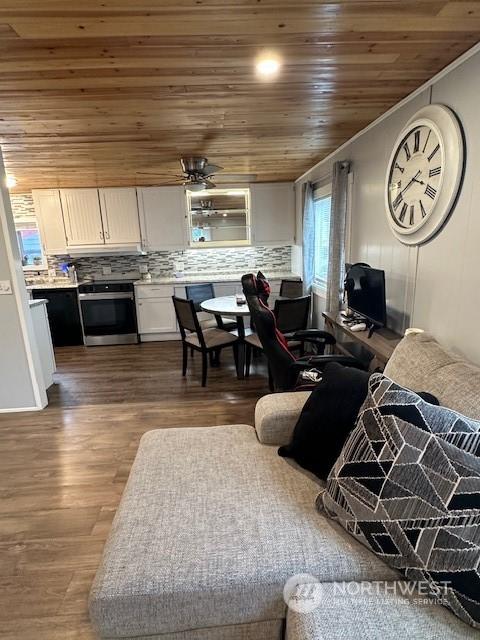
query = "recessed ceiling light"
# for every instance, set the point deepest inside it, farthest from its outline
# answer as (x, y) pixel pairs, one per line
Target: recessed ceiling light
(224, 215)
(268, 66)
(10, 182)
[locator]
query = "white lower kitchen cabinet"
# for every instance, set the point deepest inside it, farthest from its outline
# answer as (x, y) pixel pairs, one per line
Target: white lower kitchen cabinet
(41, 329)
(155, 313)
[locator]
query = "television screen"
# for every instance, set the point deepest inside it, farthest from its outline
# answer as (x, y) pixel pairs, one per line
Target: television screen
(365, 288)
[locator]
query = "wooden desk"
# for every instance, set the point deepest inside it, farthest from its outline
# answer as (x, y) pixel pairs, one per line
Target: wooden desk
(375, 350)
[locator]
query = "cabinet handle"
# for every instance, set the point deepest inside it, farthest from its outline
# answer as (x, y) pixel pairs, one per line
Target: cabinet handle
(107, 235)
(101, 235)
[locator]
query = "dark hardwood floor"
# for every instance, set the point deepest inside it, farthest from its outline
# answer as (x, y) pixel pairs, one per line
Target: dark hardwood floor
(62, 470)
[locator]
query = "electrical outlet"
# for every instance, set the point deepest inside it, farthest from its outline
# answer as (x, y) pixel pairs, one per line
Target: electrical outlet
(52, 273)
(251, 263)
(5, 287)
(106, 271)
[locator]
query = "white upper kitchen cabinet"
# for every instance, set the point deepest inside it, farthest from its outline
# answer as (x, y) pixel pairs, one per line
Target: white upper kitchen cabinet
(162, 217)
(48, 210)
(82, 216)
(272, 213)
(120, 215)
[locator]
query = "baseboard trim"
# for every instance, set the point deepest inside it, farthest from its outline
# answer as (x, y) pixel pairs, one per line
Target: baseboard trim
(21, 409)
(160, 337)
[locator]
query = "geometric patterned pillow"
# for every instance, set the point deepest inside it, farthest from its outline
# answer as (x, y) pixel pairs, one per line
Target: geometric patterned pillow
(407, 485)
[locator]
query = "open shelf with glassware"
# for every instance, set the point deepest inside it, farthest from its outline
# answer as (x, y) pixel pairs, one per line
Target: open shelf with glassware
(219, 217)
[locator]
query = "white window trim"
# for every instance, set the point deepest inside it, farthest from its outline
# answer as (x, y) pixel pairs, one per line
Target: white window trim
(19, 221)
(320, 287)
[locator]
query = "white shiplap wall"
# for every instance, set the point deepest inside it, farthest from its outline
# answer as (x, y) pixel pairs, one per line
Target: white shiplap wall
(436, 285)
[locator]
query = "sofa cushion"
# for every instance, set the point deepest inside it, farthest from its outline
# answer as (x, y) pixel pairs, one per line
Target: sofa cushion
(419, 362)
(266, 630)
(405, 488)
(210, 527)
(373, 612)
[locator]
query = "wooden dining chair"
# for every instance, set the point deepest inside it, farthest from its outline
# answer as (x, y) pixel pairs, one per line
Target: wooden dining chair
(208, 342)
(291, 288)
(198, 293)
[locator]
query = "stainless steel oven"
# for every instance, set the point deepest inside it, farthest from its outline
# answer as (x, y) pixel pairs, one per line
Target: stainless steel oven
(108, 313)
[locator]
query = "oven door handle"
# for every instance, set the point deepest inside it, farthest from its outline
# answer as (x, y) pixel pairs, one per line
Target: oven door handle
(106, 296)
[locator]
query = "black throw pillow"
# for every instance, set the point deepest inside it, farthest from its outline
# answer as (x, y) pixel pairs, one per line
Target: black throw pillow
(328, 417)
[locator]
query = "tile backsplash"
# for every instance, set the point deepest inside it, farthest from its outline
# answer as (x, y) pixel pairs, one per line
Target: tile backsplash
(195, 261)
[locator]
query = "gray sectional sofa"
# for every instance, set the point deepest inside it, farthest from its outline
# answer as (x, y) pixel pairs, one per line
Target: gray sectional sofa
(213, 523)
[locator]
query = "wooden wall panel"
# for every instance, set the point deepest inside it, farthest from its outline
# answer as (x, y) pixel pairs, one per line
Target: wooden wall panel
(114, 92)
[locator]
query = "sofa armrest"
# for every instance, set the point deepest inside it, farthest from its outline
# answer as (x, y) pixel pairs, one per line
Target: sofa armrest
(276, 416)
(370, 611)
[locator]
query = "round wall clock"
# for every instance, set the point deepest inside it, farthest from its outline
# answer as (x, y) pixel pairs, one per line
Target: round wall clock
(424, 174)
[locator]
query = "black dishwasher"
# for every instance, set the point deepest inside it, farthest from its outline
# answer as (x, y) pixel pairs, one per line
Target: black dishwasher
(63, 315)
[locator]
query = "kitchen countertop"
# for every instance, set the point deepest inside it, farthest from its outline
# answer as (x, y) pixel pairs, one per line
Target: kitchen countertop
(186, 279)
(214, 277)
(37, 302)
(52, 285)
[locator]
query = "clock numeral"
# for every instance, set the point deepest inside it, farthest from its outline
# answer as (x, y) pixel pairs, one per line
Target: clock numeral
(412, 215)
(426, 141)
(397, 201)
(435, 172)
(422, 209)
(401, 217)
(407, 151)
(437, 148)
(397, 166)
(430, 192)
(416, 144)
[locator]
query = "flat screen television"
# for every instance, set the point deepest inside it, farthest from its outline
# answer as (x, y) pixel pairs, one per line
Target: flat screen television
(365, 289)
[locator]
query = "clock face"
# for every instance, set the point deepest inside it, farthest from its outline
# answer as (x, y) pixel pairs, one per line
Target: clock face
(424, 174)
(415, 180)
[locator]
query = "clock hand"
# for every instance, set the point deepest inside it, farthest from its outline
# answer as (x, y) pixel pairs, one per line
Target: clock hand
(414, 179)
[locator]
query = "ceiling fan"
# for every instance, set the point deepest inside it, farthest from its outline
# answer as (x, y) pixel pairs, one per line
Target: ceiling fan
(197, 172)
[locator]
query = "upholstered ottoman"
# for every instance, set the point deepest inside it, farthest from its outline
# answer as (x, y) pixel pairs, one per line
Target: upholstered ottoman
(210, 527)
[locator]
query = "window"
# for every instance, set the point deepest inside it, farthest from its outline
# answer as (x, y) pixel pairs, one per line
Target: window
(322, 205)
(30, 245)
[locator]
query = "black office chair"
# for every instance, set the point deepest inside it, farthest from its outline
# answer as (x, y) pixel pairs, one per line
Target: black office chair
(208, 342)
(291, 289)
(292, 315)
(289, 373)
(198, 293)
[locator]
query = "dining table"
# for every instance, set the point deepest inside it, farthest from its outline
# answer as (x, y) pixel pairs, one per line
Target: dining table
(229, 307)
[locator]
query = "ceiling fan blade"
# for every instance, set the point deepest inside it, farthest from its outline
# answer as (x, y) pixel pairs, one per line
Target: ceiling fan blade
(237, 177)
(211, 169)
(159, 174)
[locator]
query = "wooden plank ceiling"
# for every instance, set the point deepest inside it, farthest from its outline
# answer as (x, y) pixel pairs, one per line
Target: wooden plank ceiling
(113, 92)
